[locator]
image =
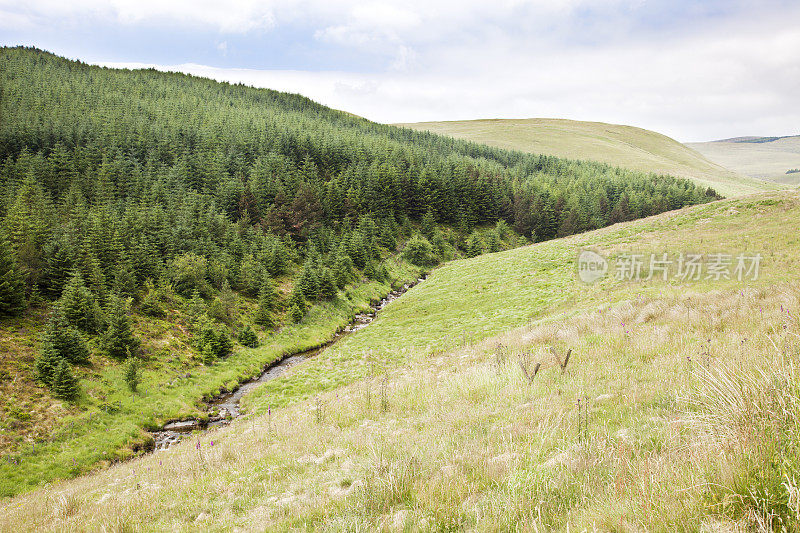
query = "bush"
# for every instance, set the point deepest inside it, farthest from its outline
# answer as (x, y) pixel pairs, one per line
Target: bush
(248, 337)
(419, 251)
(188, 274)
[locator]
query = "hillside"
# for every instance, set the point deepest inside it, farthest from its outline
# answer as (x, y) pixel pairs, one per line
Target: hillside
(677, 409)
(767, 158)
(626, 146)
(163, 237)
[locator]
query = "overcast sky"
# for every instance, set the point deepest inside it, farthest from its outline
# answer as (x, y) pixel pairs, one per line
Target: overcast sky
(694, 70)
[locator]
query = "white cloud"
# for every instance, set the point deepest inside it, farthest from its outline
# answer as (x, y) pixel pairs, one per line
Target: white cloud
(230, 16)
(696, 78)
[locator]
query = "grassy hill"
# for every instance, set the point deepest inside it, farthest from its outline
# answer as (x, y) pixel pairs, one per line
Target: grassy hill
(767, 158)
(626, 146)
(677, 410)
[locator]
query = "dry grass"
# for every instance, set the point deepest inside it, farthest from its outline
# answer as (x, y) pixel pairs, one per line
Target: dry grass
(690, 411)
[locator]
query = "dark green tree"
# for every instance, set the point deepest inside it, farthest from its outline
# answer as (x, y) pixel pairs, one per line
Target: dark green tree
(79, 307)
(248, 337)
(12, 290)
(132, 372)
(118, 339)
(64, 383)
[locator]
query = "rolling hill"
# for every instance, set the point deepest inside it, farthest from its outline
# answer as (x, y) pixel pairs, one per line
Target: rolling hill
(626, 146)
(767, 158)
(457, 408)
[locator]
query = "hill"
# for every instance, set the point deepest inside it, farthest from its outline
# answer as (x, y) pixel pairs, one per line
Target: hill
(626, 146)
(163, 237)
(503, 393)
(768, 158)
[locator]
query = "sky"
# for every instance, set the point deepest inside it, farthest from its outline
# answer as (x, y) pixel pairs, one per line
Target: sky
(693, 70)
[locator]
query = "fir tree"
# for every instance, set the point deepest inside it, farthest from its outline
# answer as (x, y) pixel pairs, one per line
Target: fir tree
(267, 301)
(474, 245)
(118, 339)
(64, 383)
(327, 285)
(64, 341)
(12, 290)
(132, 372)
(79, 307)
(248, 337)
(296, 313)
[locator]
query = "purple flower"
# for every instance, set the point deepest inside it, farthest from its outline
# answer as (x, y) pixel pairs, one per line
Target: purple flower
(198, 445)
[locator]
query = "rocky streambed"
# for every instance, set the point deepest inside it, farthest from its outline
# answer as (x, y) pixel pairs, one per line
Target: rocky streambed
(224, 408)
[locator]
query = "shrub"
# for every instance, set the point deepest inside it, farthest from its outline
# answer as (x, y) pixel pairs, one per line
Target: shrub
(419, 251)
(188, 274)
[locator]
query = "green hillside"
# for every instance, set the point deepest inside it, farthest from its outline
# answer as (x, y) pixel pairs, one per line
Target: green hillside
(677, 409)
(164, 236)
(767, 158)
(626, 146)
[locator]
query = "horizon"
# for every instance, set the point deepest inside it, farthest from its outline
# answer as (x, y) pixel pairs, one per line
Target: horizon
(694, 71)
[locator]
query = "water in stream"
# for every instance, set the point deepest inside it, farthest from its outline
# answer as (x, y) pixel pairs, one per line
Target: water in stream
(225, 407)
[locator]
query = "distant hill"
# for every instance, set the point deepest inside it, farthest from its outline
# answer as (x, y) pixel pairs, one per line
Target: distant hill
(626, 146)
(768, 158)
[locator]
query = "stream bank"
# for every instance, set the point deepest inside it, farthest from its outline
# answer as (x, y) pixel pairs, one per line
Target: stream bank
(225, 407)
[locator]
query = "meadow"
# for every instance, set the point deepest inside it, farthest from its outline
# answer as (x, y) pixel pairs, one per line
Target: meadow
(618, 145)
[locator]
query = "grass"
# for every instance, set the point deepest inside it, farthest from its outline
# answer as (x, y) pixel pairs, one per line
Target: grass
(624, 146)
(45, 439)
(687, 417)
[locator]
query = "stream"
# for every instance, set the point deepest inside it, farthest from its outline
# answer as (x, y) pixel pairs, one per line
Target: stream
(224, 408)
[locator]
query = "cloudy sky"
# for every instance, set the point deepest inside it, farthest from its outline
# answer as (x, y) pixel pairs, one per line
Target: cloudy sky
(695, 70)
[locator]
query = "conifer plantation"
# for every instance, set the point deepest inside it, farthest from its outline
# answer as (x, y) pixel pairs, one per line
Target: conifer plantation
(139, 203)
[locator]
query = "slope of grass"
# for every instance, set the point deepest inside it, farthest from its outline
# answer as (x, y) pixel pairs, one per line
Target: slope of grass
(424, 418)
(764, 158)
(624, 146)
(45, 439)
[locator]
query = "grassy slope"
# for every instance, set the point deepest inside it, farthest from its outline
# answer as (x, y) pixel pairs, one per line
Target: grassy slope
(765, 160)
(623, 146)
(444, 433)
(44, 438)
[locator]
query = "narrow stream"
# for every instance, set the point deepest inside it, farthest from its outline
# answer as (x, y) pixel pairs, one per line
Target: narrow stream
(224, 408)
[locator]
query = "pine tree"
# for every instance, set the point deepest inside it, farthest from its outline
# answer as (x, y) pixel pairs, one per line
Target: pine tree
(12, 290)
(64, 384)
(118, 339)
(296, 313)
(327, 285)
(64, 341)
(47, 364)
(267, 301)
(132, 372)
(474, 245)
(79, 306)
(248, 337)
(343, 269)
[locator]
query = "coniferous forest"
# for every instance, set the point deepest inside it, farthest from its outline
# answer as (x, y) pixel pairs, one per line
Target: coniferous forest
(139, 192)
